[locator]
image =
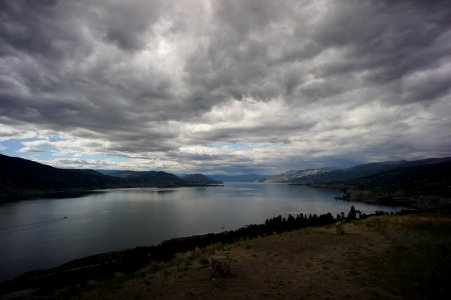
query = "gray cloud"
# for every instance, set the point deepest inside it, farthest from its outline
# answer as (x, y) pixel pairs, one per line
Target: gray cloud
(326, 80)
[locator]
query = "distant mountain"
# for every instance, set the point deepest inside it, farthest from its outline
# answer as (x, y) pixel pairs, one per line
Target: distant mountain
(332, 175)
(110, 172)
(199, 179)
(422, 183)
(424, 175)
(148, 178)
(350, 173)
(115, 173)
(20, 172)
(294, 175)
(215, 177)
(238, 178)
(309, 176)
(21, 178)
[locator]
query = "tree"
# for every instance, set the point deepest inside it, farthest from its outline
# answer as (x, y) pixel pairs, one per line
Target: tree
(352, 213)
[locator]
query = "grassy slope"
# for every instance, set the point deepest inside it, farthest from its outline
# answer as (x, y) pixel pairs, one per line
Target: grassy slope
(393, 257)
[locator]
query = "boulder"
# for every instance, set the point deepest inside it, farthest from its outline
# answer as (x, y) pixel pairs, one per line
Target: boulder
(220, 265)
(340, 228)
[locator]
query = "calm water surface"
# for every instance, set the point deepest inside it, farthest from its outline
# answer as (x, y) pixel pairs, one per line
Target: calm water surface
(44, 233)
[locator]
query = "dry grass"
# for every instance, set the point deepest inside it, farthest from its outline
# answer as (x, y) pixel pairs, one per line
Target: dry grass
(418, 263)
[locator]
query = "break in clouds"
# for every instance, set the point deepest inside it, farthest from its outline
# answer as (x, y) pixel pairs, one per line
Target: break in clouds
(225, 86)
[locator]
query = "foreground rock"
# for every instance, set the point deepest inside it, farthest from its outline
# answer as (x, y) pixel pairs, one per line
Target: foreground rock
(220, 265)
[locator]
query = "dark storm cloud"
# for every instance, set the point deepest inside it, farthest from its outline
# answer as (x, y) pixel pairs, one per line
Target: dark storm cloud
(389, 40)
(28, 26)
(53, 27)
(155, 76)
(124, 23)
(378, 42)
(44, 45)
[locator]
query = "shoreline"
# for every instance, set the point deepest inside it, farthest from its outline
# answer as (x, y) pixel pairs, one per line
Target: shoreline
(22, 194)
(128, 260)
(420, 200)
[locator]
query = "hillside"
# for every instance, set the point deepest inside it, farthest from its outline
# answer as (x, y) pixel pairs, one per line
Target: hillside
(350, 173)
(199, 179)
(330, 174)
(434, 176)
(148, 178)
(422, 184)
(160, 177)
(295, 175)
(21, 178)
(18, 172)
(395, 257)
(313, 176)
(238, 178)
(425, 185)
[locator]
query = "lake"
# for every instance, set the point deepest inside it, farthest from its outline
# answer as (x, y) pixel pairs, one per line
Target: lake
(44, 233)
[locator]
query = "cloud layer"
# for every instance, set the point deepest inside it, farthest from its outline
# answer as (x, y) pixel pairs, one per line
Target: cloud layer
(225, 86)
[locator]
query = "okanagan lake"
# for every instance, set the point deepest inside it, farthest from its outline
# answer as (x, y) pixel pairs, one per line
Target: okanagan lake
(44, 233)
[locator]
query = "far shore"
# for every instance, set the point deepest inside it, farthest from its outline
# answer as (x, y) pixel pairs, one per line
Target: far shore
(30, 194)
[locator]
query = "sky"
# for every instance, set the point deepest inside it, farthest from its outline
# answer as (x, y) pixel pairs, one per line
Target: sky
(245, 86)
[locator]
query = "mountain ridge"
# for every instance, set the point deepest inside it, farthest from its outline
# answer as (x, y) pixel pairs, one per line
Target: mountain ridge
(237, 178)
(332, 175)
(21, 179)
(289, 176)
(200, 179)
(423, 184)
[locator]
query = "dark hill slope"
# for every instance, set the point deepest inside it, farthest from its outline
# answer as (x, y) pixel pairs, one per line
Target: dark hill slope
(149, 178)
(350, 173)
(433, 177)
(156, 178)
(423, 184)
(199, 179)
(22, 173)
(21, 178)
(238, 178)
